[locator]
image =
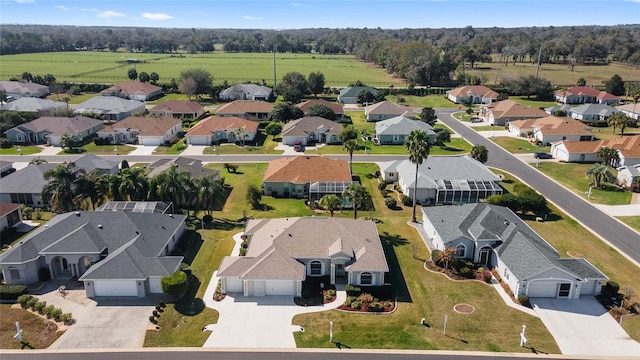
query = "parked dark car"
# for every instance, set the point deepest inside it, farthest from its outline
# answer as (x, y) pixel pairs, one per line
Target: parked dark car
(542, 155)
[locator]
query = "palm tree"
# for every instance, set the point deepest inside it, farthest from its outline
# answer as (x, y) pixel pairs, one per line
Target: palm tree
(88, 190)
(37, 161)
(619, 120)
(133, 184)
(608, 155)
(330, 203)
(350, 145)
(348, 133)
(445, 257)
(210, 192)
(480, 153)
(3, 97)
(107, 187)
(172, 185)
(358, 195)
(419, 146)
(61, 190)
(598, 173)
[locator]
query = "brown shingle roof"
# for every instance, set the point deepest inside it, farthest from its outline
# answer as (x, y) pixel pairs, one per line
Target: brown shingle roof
(483, 91)
(582, 146)
(306, 105)
(304, 169)
(178, 106)
(629, 146)
(385, 107)
(554, 125)
(130, 87)
(512, 109)
(586, 90)
(148, 126)
(241, 107)
(7, 208)
(213, 123)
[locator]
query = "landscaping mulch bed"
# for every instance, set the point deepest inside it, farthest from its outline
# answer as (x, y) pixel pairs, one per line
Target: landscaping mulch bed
(464, 309)
(452, 274)
(387, 307)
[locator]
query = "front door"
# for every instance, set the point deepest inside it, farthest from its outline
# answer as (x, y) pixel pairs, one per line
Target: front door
(485, 257)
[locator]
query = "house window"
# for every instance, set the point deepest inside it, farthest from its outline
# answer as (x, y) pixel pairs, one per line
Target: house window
(14, 273)
(506, 274)
(392, 174)
(366, 278)
(19, 137)
(461, 251)
(564, 290)
(316, 267)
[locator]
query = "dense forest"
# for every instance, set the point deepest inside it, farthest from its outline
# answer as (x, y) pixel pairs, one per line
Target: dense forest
(422, 56)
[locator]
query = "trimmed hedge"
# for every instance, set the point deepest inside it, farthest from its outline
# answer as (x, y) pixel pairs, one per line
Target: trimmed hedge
(175, 284)
(12, 292)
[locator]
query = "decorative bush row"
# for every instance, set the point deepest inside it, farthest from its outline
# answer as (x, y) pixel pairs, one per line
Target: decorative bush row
(11, 292)
(51, 312)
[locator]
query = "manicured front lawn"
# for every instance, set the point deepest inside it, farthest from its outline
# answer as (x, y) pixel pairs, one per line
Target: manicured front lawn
(24, 150)
(572, 176)
(486, 128)
(264, 144)
(457, 146)
(174, 149)
(532, 102)
(105, 149)
(36, 331)
(518, 146)
(633, 221)
(607, 133)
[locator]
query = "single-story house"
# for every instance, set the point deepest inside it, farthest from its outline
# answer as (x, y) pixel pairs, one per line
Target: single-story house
(495, 237)
(444, 179)
(216, 129)
(472, 94)
(311, 130)
(115, 253)
(247, 109)
(553, 110)
(502, 112)
(631, 110)
(50, 130)
(33, 105)
(396, 130)
(247, 92)
(10, 215)
(584, 95)
(133, 90)
(17, 89)
(92, 162)
(192, 166)
(148, 131)
(349, 95)
(178, 109)
(591, 112)
(283, 253)
(6, 168)
(585, 151)
(335, 107)
(306, 177)
(628, 175)
(551, 128)
(111, 108)
(386, 110)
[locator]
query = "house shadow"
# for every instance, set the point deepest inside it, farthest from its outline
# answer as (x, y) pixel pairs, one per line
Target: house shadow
(189, 304)
(395, 275)
(190, 246)
(226, 224)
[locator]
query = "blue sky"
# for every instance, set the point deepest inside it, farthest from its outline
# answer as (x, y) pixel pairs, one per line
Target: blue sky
(296, 14)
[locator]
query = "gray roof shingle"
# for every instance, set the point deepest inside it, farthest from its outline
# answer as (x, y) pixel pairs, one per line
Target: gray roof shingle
(401, 125)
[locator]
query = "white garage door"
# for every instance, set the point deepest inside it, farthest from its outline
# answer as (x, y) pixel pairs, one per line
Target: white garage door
(280, 287)
(115, 288)
(155, 286)
(588, 288)
(233, 285)
(542, 289)
(258, 288)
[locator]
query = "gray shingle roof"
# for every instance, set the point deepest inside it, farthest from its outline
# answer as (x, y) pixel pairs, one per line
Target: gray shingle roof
(237, 90)
(354, 90)
(92, 162)
(31, 104)
(305, 125)
(28, 180)
(444, 168)
(401, 125)
(108, 105)
(600, 109)
(521, 249)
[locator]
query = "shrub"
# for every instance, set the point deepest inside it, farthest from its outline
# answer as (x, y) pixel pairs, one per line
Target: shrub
(435, 254)
(56, 314)
(523, 300)
(612, 287)
(481, 269)
(243, 251)
(382, 185)
(390, 202)
(5, 143)
(153, 320)
(356, 305)
(331, 292)
(162, 304)
(349, 300)
(155, 313)
(39, 307)
(37, 214)
(366, 300)
(48, 310)
(23, 300)
(31, 303)
(486, 275)
(352, 290)
(387, 304)
(175, 284)
(207, 219)
(328, 297)
(406, 201)
(12, 292)
(27, 211)
(98, 141)
(466, 272)
(66, 318)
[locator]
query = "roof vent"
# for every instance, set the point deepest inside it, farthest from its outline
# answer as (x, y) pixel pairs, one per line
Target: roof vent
(170, 215)
(99, 226)
(46, 226)
(137, 232)
(77, 213)
(506, 222)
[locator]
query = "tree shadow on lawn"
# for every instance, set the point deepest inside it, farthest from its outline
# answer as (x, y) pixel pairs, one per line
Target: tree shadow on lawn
(549, 217)
(395, 275)
(190, 246)
(226, 224)
(449, 148)
(189, 304)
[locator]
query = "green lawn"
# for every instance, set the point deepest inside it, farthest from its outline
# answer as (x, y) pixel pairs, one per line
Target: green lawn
(531, 102)
(73, 99)
(434, 101)
(463, 116)
(104, 149)
(633, 221)
(174, 149)
(168, 97)
(572, 176)
(607, 133)
(24, 150)
(518, 146)
(457, 146)
(486, 128)
(265, 144)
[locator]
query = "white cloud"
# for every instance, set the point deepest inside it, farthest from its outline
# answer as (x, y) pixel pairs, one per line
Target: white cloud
(25, 1)
(64, 8)
(247, 17)
(156, 16)
(110, 14)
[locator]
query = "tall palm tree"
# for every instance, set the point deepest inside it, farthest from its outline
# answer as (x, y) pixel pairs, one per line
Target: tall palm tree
(108, 186)
(608, 155)
(61, 188)
(210, 192)
(619, 120)
(358, 195)
(330, 203)
(172, 185)
(598, 173)
(418, 146)
(133, 184)
(89, 191)
(480, 153)
(350, 145)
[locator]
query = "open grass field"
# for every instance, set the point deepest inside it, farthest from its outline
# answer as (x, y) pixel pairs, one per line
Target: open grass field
(518, 146)
(572, 176)
(559, 74)
(607, 133)
(109, 67)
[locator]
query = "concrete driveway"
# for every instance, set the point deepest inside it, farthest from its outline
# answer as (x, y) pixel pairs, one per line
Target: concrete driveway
(584, 327)
(104, 324)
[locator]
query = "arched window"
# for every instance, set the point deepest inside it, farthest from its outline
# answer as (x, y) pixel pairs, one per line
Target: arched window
(461, 251)
(316, 267)
(14, 273)
(366, 278)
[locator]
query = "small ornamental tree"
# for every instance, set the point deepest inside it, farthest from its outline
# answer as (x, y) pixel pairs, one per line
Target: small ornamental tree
(273, 128)
(175, 284)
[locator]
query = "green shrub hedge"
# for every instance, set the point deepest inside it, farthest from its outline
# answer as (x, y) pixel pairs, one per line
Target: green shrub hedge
(11, 293)
(175, 284)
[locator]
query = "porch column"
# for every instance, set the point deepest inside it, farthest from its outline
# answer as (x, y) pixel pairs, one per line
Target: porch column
(51, 270)
(333, 274)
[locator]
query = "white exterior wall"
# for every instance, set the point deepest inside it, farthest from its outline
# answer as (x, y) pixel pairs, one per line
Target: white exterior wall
(199, 139)
(155, 286)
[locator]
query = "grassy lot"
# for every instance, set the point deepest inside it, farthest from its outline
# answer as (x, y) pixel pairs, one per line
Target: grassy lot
(265, 144)
(25, 150)
(36, 331)
(463, 116)
(109, 67)
(168, 97)
(434, 101)
(174, 149)
(572, 176)
(104, 149)
(607, 133)
(531, 102)
(633, 221)
(518, 146)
